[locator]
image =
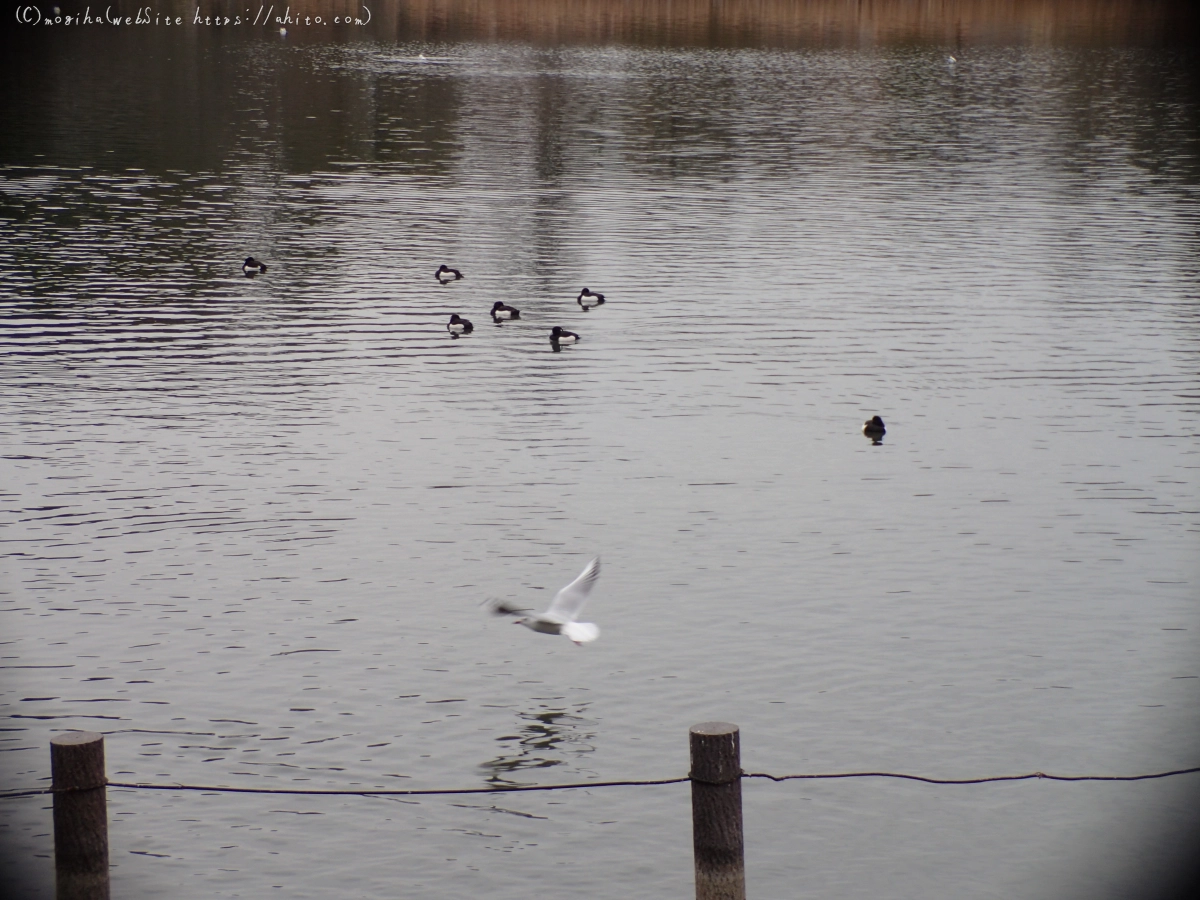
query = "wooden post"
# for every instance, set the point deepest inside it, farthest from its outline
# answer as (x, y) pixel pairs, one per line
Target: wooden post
(80, 816)
(717, 812)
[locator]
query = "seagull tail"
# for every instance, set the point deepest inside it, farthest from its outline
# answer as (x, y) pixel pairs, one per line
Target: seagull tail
(581, 632)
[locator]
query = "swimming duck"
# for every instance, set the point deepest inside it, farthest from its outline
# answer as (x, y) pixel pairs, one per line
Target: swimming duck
(253, 267)
(597, 299)
(559, 336)
(458, 325)
(446, 274)
(873, 428)
(502, 311)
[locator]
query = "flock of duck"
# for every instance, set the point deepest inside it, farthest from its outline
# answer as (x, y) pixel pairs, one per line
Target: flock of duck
(501, 312)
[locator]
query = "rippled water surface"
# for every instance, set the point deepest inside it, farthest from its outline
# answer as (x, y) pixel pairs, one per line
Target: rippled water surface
(248, 523)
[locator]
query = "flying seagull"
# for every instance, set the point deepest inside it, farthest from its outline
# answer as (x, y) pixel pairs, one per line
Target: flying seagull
(560, 617)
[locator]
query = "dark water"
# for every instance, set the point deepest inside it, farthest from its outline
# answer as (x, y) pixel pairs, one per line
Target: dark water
(247, 523)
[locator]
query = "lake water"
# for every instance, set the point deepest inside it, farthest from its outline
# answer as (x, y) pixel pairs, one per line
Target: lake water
(248, 523)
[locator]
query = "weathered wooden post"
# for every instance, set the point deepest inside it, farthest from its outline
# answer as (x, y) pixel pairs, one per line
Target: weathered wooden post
(717, 812)
(80, 816)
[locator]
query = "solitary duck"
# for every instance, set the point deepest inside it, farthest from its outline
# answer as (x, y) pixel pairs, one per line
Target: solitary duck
(560, 336)
(446, 274)
(252, 267)
(873, 428)
(502, 311)
(596, 299)
(458, 325)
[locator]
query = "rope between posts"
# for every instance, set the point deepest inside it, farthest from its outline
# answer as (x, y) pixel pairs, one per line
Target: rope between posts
(509, 789)
(396, 792)
(1027, 777)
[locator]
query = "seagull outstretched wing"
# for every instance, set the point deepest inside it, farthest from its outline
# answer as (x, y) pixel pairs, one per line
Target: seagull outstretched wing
(568, 602)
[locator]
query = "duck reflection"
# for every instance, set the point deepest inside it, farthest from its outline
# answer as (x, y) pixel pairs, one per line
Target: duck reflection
(546, 738)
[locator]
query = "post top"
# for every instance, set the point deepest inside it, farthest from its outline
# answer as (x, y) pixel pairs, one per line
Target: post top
(714, 728)
(71, 738)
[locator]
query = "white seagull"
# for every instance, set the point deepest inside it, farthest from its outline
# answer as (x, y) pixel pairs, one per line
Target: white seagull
(567, 605)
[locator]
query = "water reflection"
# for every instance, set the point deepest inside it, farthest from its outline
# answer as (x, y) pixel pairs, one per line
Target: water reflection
(550, 736)
(729, 23)
(547, 113)
(739, 23)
